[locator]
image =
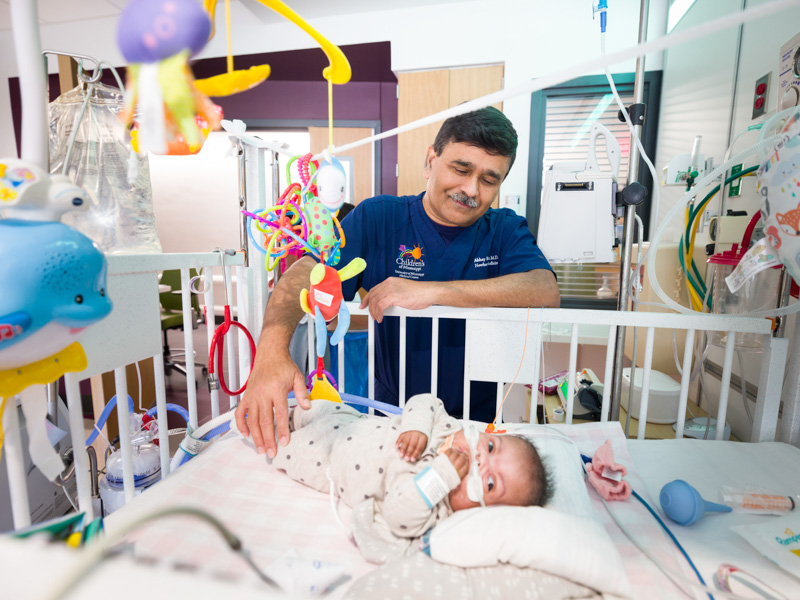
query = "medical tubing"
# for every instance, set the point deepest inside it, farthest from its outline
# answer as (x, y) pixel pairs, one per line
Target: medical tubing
(638, 142)
(389, 409)
(652, 251)
(206, 431)
(552, 79)
(99, 549)
(176, 408)
(104, 417)
(673, 538)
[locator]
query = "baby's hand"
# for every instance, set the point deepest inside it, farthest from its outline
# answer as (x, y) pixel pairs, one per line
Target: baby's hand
(459, 460)
(410, 445)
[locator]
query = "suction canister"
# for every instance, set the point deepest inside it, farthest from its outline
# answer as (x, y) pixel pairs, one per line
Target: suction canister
(759, 292)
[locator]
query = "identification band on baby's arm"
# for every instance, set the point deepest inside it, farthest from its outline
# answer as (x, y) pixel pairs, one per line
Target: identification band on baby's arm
(431, 486)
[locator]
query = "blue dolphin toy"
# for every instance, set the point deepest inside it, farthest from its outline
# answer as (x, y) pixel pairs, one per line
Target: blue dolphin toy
(53, 282)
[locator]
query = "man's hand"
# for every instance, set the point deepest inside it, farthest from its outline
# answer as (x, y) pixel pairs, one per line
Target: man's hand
(264, 406)
(459, 460)
(410, 445)
(396, 291)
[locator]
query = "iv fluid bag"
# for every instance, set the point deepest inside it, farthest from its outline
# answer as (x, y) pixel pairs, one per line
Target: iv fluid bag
(120, 219)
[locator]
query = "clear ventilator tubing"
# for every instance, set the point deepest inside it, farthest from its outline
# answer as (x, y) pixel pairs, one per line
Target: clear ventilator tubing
(642, 153)
(652, 251)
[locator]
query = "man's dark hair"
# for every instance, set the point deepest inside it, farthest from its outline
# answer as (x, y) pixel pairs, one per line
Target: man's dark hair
(541, 485)
(486, 128)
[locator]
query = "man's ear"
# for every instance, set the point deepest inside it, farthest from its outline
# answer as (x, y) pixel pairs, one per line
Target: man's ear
(429, 156)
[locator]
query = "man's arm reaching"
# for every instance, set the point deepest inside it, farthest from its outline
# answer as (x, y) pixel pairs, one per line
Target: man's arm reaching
(537, 288)
(264, 405)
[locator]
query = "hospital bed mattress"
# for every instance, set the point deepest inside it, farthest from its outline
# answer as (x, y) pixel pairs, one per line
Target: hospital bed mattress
(709, 465)
(273, 514)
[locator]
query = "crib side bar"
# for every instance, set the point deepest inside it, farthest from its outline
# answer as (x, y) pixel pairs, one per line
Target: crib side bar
(725, 385)
(231, 344)
(686, 380)
(75, 410)
(123, 420)
(401, 392)
(768, 402)
(210, 319)
(612, 344)
(188, 342)
(573, 366)
(161, 413)
(435, 356)
(648, 364)
(15, 465)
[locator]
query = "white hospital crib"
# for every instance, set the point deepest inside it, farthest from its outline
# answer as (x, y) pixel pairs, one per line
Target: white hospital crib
(496, 342)
(503, 345)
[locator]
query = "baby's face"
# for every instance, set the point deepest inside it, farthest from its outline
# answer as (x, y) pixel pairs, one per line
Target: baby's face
(502, 461)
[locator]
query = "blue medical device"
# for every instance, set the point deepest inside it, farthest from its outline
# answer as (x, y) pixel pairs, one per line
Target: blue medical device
(684, 504)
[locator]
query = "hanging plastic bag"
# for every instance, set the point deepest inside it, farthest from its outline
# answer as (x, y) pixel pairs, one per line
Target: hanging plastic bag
(121, 218)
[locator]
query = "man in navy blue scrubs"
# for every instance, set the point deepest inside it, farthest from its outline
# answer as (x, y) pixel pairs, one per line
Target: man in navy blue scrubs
(444, 247)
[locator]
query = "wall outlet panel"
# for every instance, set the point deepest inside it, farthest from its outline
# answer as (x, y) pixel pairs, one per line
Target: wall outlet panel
(760, 95)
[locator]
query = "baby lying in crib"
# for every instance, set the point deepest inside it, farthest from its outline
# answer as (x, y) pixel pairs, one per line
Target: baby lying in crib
(403, 474)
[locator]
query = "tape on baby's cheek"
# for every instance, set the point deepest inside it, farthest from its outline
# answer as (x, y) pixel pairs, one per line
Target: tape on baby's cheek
(431, 486)
(474, 480)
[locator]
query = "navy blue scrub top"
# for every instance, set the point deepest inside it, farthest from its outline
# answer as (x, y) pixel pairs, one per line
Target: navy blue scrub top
(398, 239)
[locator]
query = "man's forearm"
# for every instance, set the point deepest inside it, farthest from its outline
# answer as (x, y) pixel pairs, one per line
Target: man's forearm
(531, 289)
(283, 311)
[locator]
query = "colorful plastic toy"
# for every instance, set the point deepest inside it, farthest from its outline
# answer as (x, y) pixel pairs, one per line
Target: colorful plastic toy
(157, 37)
(324, 301)
(300, 221)
(29, 192)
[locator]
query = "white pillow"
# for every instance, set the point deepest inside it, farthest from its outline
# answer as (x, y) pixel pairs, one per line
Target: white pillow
(563, 539)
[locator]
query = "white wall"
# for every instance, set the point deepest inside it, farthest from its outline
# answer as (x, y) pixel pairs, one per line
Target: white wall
(531, 37)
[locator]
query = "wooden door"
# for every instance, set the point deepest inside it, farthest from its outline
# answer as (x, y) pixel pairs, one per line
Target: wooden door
(363, 160)
(423, 93)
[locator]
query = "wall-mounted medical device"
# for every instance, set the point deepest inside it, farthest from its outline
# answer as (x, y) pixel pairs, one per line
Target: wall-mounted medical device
(789, 74)
(576, 223)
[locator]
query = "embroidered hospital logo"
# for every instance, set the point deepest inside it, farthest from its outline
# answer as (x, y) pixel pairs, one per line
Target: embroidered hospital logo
(415, 252)
(409, 262)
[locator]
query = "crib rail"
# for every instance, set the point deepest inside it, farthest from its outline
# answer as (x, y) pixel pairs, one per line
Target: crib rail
(498, 338)
(130, 334)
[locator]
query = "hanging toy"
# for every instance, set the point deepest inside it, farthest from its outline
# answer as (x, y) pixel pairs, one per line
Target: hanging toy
(331, 182)
(301, 221)
(324, 301)
(157, 37)
(231, 82)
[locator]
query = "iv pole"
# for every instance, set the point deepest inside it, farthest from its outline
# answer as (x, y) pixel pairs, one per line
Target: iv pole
(630, 220)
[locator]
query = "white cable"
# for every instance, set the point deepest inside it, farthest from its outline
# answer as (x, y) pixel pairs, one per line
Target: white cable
(75, 128)
(590, 66)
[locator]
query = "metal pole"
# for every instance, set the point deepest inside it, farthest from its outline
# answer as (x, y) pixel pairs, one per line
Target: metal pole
(630, 221)
(244, 241)
(276, 193)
